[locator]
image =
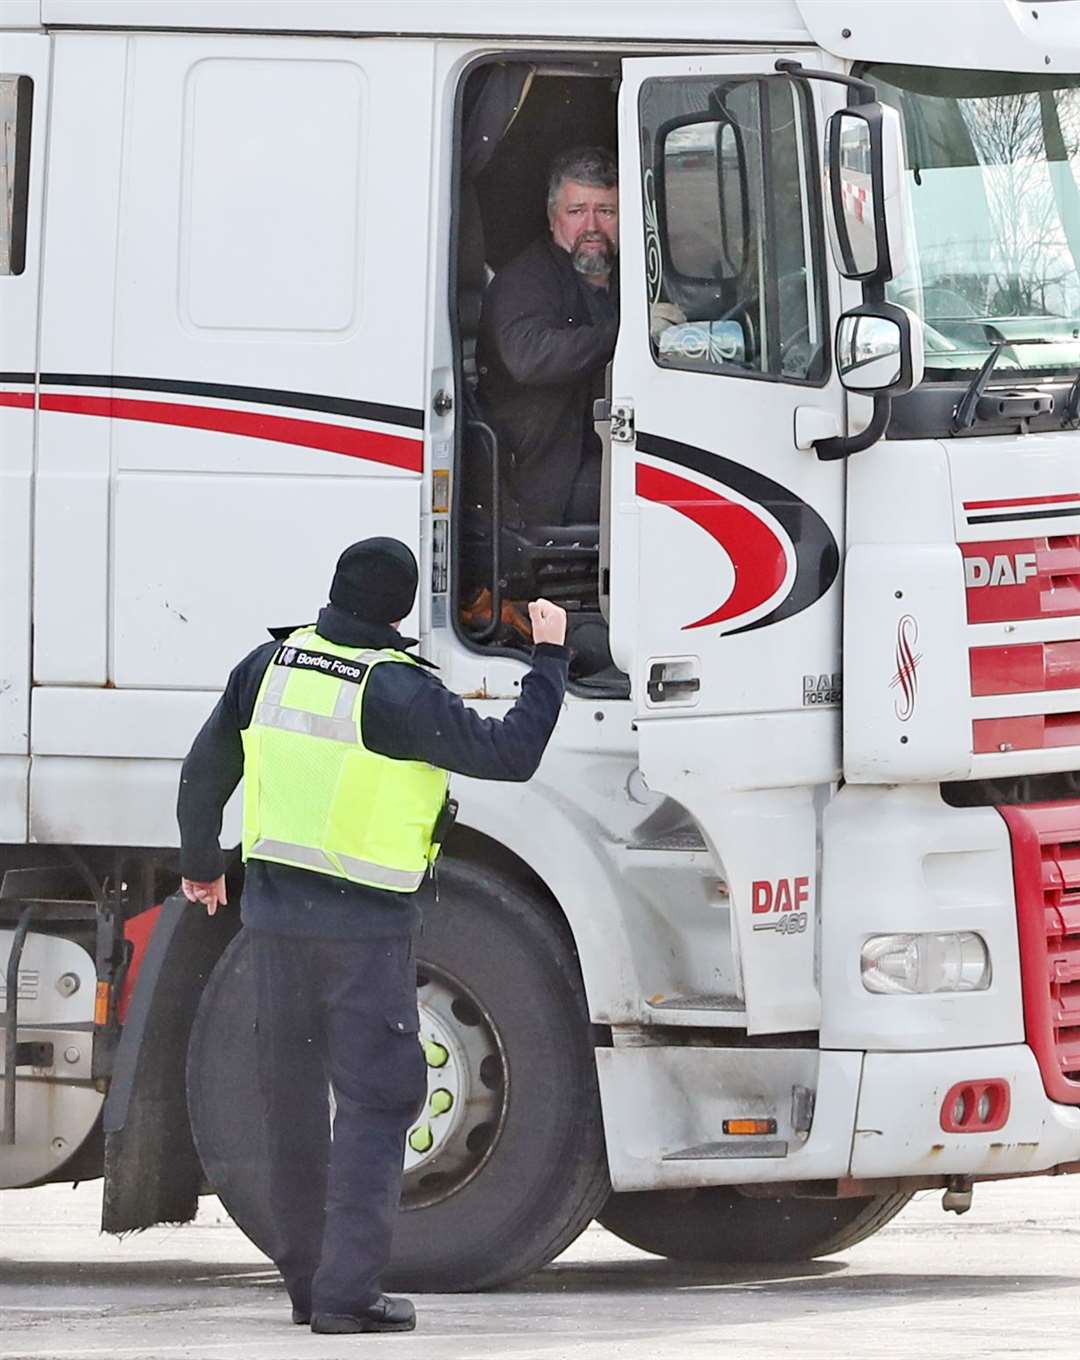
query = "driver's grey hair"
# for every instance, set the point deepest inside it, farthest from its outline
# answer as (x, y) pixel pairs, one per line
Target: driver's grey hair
(591, 165)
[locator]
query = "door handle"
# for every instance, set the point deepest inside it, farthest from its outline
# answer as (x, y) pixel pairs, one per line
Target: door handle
(814, 422)
(670, 681)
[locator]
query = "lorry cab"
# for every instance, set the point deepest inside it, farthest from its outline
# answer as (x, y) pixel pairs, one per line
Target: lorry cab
(782, 930)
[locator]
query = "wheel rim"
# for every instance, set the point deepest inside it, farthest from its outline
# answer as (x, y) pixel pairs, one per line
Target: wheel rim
(466, 1096)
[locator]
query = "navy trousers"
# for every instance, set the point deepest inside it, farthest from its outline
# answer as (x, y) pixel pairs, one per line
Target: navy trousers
(336, 1015)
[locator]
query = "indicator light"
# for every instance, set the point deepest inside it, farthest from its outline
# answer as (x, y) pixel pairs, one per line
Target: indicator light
(750, 1127)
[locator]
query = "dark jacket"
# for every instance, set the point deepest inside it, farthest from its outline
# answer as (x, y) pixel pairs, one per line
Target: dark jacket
(545, 337)
(407, 714)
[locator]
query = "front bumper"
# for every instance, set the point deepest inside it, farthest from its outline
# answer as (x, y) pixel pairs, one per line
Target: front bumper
(898, 1122)
(877, 1116)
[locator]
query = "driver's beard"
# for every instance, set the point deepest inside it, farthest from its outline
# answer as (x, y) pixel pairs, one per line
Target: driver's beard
(593, 264)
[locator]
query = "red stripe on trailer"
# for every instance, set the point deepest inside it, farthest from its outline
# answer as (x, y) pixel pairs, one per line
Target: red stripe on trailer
(1021, 500)
(24, 400)
(1028, 668)
(391, 450)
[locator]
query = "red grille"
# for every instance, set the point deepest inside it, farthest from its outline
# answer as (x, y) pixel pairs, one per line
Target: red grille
(1033, 732)
(1022, 578)
(1025, 669)
(1046, 871)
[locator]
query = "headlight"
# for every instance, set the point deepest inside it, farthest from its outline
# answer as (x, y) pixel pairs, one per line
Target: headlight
(918, 964)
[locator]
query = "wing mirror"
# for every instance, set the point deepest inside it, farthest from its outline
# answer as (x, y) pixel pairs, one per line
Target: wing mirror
(866, 189)
(879, 349)
(879, 354)
(879, 346)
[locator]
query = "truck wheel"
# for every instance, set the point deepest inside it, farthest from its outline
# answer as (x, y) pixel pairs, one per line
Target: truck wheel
(506, 1164)
(722, 1226)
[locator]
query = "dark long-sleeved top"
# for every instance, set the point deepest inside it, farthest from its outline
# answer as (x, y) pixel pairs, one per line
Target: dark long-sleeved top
(408, 714)
(545, 337)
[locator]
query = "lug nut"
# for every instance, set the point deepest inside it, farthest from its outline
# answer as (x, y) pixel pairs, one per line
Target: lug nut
(435, 1054)
(421, 1139)
(441, 1101)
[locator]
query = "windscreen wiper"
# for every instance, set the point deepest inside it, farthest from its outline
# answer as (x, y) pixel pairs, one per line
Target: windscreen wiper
(975, 405)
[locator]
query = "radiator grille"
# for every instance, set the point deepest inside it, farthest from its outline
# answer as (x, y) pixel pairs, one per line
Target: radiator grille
(1046, 870)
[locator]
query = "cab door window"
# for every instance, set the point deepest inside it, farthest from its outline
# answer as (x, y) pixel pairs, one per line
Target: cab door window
(732, 225)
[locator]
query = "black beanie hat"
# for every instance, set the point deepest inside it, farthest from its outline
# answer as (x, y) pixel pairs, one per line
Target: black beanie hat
(376, 580)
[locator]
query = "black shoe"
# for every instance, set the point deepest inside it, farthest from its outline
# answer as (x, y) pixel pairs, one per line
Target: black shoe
(299, 1289)
(384, 1315)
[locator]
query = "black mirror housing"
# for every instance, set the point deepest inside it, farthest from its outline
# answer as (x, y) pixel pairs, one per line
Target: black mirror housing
(866, 187)
(879, 349)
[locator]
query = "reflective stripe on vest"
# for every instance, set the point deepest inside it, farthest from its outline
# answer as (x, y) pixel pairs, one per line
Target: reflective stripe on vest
(340, 727)
(399, 880)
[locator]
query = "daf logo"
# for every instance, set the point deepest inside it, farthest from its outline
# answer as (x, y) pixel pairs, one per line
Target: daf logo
(1002, 570)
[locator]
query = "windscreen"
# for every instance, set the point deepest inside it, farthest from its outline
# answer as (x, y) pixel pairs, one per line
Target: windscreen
(994, 165)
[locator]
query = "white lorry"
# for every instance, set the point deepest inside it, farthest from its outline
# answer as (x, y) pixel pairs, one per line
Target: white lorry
(788, 924)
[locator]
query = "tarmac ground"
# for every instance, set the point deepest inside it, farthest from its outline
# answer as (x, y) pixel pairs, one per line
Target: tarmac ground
(1003, 1280)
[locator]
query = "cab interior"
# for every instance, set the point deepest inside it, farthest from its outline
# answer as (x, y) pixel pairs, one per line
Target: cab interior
(515, 116)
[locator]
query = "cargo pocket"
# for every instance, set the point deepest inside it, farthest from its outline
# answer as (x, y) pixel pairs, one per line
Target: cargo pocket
(409, 1063)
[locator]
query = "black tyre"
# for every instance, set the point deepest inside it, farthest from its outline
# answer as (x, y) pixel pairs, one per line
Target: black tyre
(506, 1166)
(724, 1227)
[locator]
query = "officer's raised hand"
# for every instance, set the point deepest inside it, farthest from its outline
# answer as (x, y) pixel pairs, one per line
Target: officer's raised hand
(548, 622)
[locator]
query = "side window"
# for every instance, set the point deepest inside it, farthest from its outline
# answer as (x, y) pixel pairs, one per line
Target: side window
(16, 98)
(733, 228)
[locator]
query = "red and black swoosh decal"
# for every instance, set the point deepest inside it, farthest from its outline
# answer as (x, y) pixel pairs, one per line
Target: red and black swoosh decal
(758, 556)
(391, 448)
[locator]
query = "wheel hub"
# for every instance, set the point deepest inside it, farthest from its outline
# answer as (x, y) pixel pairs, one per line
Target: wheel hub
(466, 1093)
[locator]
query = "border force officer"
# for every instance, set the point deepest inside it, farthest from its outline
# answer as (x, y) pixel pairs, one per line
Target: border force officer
(344, 741)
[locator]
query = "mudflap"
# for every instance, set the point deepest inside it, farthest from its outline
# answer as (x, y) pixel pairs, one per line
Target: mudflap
(152, 1171)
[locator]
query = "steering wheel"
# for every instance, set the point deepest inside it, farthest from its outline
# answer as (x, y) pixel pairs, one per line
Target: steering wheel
(798, 352)
(741, 313)
(798, 349)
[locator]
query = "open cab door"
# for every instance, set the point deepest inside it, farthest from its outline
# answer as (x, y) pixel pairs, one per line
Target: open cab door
(726, 525)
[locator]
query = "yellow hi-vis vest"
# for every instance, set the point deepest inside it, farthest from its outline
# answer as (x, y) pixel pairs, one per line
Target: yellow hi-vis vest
(314, 796)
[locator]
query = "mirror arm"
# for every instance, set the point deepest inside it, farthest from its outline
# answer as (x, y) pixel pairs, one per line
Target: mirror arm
(842, 446)
(863, 91)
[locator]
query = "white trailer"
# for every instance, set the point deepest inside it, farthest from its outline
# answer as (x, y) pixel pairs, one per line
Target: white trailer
(788, 924)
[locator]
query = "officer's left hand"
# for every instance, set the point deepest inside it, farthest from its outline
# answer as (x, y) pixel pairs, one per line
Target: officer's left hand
(211, 895)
